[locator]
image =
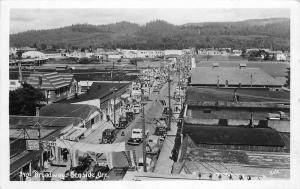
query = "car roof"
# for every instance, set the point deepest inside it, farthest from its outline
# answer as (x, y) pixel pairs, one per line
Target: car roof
(110, 130)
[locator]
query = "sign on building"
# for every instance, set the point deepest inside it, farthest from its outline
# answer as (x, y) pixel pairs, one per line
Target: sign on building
(32, 145)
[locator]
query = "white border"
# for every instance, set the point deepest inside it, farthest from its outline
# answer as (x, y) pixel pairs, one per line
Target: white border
(295, 100)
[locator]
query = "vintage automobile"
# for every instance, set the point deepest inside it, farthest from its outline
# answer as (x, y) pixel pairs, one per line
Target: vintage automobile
(123, 122)
(136, 137)
(161, 131)
(108, 136)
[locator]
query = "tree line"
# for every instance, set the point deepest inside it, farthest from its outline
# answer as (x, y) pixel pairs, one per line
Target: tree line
(161, 35)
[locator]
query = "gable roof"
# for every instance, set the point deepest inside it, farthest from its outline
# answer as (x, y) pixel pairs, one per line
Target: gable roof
(234, 76)
(52, 81)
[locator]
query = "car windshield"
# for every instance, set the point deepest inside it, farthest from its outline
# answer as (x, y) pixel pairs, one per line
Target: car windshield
(136, 132)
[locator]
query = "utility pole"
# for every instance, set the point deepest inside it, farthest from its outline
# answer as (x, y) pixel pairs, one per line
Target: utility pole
(169, 90)
(149, 79)
(114, 89)
(114, 108)
(143, 131)
(40, 142)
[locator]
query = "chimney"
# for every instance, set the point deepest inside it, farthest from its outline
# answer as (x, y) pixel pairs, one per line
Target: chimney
(37, 112)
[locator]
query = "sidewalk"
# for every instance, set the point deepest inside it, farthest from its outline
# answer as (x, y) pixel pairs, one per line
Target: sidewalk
(164, 163)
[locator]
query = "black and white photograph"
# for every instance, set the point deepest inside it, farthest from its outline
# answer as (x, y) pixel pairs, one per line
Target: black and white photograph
(195, 94)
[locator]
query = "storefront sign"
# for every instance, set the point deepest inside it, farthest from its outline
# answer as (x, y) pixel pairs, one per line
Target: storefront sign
(32, 145)
(51, 143)
(178, 120)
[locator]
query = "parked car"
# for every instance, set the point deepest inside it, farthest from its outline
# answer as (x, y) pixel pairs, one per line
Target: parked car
(123, 122)
(108, 136)
(161, 131)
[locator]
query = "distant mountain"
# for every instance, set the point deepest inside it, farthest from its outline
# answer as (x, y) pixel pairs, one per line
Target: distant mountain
(159, 34)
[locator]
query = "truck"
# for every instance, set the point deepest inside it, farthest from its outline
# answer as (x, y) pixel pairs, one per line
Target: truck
(153, 145)
(136, 137)
(108, 136)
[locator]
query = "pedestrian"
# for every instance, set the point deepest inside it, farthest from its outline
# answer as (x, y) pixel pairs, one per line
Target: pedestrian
(65, 155)
(199, 175)
(46, 165)
(220, 176)
(241, 177)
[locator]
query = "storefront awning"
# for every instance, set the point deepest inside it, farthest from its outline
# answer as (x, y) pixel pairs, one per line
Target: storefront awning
(88, 147)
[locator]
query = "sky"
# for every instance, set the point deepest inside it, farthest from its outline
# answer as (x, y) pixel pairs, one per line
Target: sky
(36, 19)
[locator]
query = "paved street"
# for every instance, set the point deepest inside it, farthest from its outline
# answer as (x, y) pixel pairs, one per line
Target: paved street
(152, 110)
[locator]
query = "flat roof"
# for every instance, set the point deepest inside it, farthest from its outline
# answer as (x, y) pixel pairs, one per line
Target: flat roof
(232, 75)
(151, 64)
(245, 95)
(224, 135)
(237, 114)
(275, 69)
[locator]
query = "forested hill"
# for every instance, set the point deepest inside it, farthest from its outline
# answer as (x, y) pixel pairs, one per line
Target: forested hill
(263, 33)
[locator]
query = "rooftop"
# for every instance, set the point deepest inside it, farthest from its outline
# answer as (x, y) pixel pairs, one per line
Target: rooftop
(16, 120)
(68, 110)
(245, 95)
(152, 64)
(275, 69)
(224, 135)
(236, 114)
(50, 81)
(231, 75)
(97, 90)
